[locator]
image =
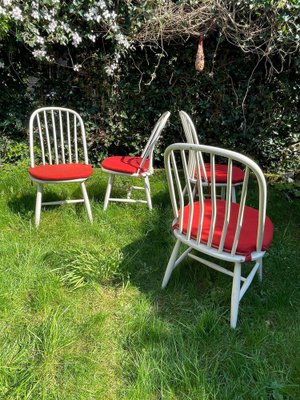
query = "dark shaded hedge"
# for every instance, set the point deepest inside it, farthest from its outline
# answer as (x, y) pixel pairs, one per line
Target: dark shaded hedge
(119, 114)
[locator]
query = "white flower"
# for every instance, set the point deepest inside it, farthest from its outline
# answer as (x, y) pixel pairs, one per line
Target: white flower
(106, 14)
(114, 27)
(65, 27)
(92, 37)
(2, 11)
(39, 53)
(6, 2)
(40, 40)
(2, 65)
(48, 17)
(17, 14)
(77, 67)
(76, 39)
(52, 26)
(101, 4)
(35, 14)
(120, 38)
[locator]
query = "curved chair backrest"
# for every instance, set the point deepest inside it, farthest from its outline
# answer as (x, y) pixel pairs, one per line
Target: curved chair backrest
(176, 157)
(192, 138)
(60, 134)
(147, 153)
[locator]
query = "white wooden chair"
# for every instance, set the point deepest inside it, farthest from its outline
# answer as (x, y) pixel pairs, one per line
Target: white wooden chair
(220, 169)
(218, 228)
(57, 141)
(135, 167)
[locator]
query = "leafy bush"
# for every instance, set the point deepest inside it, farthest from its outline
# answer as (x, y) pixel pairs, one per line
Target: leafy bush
(121, 64)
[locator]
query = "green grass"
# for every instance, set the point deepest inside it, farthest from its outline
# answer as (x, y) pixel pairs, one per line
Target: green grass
(82, 315)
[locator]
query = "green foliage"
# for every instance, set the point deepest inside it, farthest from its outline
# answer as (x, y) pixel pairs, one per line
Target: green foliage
(13, 152)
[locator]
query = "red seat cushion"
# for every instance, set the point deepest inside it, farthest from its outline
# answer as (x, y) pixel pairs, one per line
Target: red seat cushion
(248, 234)
(125, 164)
(60, 172)
(221, 173)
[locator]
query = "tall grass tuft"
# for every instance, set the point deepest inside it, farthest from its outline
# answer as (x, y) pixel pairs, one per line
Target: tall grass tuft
(78, 267)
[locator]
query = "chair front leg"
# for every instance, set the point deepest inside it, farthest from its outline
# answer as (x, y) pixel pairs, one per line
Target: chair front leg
(148, 193)
(235, 294)
(171, 264)
(38, 204)
(86, 201)
(108, 190)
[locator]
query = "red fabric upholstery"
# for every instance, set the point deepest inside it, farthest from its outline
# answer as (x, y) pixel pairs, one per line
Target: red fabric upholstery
(247, 240)
(221, 173)
(60, 172)
(125, 164)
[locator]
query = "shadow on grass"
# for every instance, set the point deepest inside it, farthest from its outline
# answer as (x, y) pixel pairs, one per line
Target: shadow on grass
(25, 203)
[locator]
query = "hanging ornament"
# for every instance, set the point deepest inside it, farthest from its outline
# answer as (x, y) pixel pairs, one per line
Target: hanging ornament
(199, 63)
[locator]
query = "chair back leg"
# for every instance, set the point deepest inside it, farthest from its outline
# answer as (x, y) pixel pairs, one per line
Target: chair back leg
(38, 204)
(260, 269)
(108, 190)
(233, 194)
(148, 192)
(235, 294)
(86, 201)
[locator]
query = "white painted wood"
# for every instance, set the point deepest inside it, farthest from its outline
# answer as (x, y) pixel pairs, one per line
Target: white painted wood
(148, 192)
(52, 127)
(62, 142)
(75, 139)
(126, 200)
(47, 137)
(86, 201)
(59, 202)
(176, 157)
(235, 295)
(38, 205)
(171, 264)
(248, 281)
(214, 266)
(147, 155)
(192, 138)
(108, 190)
(54, 137)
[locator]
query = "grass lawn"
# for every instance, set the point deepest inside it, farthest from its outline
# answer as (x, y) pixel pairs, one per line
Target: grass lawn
(83, 315)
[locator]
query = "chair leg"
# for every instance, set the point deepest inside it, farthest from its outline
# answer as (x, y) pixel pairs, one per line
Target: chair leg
(223, 193)
(171, 264)
(260, 270)
(233, 194)
(86, 201)
(108, 190)
(235, 294)
(148, 193)
(38, 204)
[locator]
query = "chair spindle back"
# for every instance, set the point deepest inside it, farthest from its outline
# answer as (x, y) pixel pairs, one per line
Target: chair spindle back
(183, 190)
(60, 134)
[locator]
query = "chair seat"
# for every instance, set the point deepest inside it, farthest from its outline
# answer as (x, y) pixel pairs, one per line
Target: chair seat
(61, 172)
(247, 240)
(125, 164)
(221, 173)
